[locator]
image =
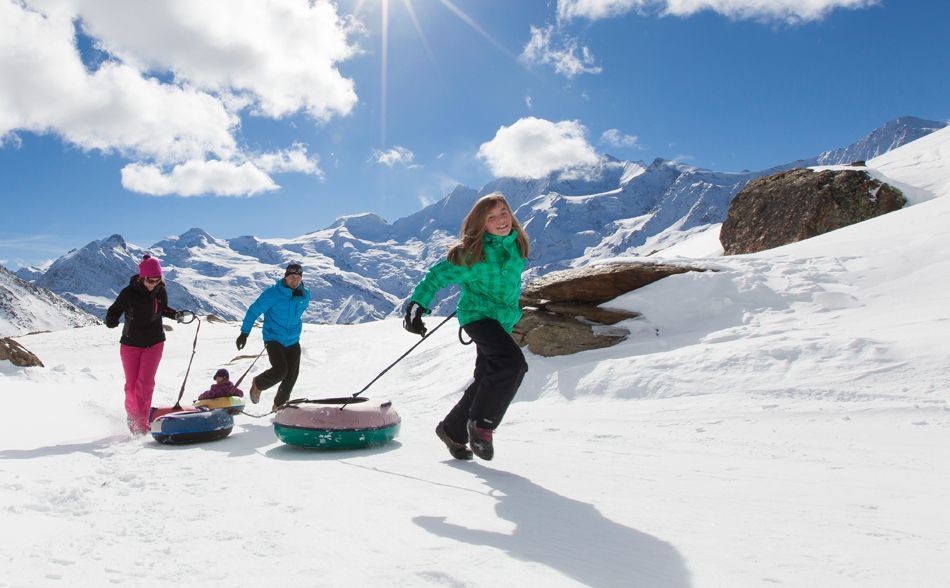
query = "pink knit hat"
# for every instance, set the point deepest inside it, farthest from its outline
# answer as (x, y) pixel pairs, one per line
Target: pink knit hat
(150, 268)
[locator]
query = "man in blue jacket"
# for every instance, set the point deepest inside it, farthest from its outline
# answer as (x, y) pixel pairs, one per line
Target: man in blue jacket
(282, 306)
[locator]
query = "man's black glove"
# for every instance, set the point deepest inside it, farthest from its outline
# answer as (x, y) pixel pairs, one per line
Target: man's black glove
(413, 319)
(241, 341)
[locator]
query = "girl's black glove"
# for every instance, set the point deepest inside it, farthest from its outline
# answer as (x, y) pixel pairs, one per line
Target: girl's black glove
(412, 322)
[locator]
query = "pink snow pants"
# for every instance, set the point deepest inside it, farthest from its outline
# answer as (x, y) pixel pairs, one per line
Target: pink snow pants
(140, 365)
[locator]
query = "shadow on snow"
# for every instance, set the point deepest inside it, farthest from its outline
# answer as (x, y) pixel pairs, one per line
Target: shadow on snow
(567, 535)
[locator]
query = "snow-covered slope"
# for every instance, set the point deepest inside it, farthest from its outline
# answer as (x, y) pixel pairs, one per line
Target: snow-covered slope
(25, 308)
(361, 267)
(918, 169)
(782, 420)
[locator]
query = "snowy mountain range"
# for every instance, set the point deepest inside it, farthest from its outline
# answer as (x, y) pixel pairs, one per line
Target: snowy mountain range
(362, 267)
(26, 307)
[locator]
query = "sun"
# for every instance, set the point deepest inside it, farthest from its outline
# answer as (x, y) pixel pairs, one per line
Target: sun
(384, 53)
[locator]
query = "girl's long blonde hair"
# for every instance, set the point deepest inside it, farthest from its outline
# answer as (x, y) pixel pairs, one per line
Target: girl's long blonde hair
(469, 250)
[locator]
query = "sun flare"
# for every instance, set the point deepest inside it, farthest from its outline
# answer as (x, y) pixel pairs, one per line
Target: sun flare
(384, 42)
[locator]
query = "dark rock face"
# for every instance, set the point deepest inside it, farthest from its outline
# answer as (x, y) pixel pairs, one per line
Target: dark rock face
(548, 333)
(598, 284)
(17, 354)
(797, 204)
(561, 312)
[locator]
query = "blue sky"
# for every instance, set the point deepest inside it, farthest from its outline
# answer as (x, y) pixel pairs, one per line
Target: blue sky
(274, 119)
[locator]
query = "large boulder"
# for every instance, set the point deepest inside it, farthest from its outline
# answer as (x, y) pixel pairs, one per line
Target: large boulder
(598, 284)
(562, 313)
(17, 354)
(548, 334)
(800, 203)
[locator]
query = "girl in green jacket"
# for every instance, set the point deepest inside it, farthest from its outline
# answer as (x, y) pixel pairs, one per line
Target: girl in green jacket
(487, 264)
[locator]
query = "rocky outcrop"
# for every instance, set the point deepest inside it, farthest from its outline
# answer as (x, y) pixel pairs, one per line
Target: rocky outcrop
(17, 354)
(797, 204)
(598, 284)
(548, 333)
(562, 313)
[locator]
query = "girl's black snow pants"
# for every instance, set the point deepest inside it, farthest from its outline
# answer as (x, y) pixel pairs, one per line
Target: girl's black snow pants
(499, 369)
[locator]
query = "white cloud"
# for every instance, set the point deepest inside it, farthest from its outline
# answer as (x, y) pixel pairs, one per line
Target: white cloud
(284, 53)
(175, 78)
(549, 47)
(398, 155)
(11, 139)
(533, 148)
(196, 178)
(783, 10)
(294, 159)
(614, 138)
(115, 108)
(426, 199)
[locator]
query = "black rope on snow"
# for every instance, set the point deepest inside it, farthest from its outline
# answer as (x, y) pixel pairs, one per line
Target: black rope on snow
(260, 416)
(248, 370)
(292, 403)
(401, 357)
(194, 346)
(288, 404)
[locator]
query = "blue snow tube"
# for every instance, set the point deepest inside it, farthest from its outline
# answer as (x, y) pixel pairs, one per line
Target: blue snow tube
(192, 426)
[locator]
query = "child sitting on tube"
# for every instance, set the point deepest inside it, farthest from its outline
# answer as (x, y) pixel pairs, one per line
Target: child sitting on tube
(222, 387)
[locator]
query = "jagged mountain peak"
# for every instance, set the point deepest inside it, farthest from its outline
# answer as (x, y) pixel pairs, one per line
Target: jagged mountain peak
(910, 122)
(367, 226)
(115, 240)
(887, 137)
(193, 237)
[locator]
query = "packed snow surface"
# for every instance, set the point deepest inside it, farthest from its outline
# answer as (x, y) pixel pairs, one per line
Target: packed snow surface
(779, 419)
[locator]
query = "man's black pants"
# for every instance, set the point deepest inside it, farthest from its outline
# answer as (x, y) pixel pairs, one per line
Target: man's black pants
(499, 369)
(284, 367)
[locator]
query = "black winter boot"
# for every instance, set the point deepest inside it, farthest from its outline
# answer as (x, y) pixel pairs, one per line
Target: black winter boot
(480, 441)
(458, 450)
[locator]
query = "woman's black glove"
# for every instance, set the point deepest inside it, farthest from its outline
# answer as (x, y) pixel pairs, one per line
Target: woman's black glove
(241, 341)
(112, 323)
(413, 319)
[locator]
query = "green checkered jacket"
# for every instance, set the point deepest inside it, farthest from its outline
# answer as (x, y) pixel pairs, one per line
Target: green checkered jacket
(490, 288)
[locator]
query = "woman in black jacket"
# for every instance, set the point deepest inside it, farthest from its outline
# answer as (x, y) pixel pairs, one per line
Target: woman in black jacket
(143, 302)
